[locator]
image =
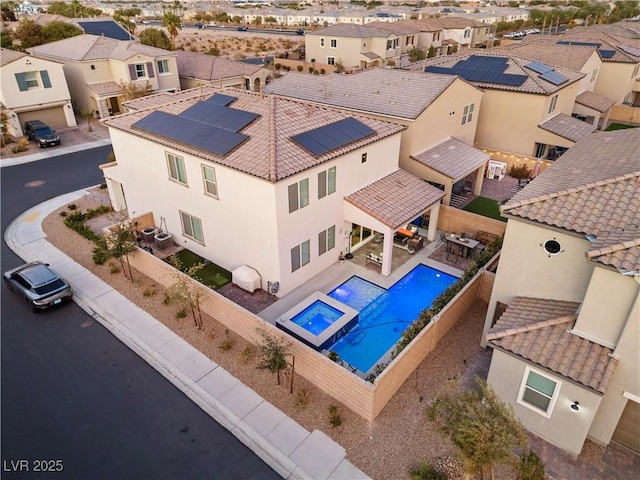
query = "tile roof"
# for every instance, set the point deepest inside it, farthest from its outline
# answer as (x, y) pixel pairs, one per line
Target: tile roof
(7, 56)
(573, 57)
(612, 37)
(396, 199)
(94, 47)
(269, 153)
(208, 67)
(515, 65)
(162, 98)
(350, 30)
(105, 88)
(375, 90)
(452, 158)
(568, 127)
(400, 27)
(538, 330)
(593, 189)
(596, 102)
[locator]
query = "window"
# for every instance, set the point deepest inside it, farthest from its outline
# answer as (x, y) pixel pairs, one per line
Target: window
(163, 66)
(436, 36)
(322, 42)
(176, 168)
(140, 71)
(554, 100)
(31, 79)
(538, 392)
(300, 255)
(331, 60)
(467, 114)
(467, 33)
(364, 157)
(327, 182)
(326, 240)
(593, 75)
(192, 227)
(391, 44)
(298, 195)
(210, 184)
(28, 80)
(334, 43)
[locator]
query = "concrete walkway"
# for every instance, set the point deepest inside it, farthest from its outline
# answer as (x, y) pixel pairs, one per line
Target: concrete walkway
(292, 451)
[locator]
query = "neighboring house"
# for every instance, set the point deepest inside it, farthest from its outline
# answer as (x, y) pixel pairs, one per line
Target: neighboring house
(34, 89)
(523, 112)
(103, 72)
(440, 113)
(619, 47)
(198, 69)
(105, 27)
(243, 178)
(563, 319)
(579, 58)
(353, 46)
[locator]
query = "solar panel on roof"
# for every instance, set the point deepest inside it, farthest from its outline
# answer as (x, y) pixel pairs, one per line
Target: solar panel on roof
(630, 50)
(335, 135)
(582, 44)
(107, 28)
(220, 99)
(554, 77)
(190, 132)
(607, 53)
(219, 116)
(539, 67)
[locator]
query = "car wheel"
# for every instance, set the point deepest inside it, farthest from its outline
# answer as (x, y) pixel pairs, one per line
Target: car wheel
(39, 145)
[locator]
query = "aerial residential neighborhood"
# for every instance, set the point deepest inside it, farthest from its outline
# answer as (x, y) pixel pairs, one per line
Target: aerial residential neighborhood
(337, 232)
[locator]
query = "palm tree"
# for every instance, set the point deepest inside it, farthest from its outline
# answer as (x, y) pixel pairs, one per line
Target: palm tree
(172, 22)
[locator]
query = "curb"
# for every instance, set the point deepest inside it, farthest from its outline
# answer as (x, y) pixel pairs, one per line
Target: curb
(10, 162)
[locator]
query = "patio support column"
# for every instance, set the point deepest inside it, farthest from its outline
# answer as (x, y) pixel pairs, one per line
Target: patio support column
(605, 121)
(387, 252)
(477, 190)
(433, 222)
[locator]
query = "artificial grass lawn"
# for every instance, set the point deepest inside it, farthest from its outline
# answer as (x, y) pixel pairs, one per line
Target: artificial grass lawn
(486, 207)
(618, 126)
(212, 275)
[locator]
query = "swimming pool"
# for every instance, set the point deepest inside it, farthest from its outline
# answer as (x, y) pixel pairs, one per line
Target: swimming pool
(317, 317)
(384, 314)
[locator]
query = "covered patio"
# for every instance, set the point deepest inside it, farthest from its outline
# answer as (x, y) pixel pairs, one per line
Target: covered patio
(388, 207)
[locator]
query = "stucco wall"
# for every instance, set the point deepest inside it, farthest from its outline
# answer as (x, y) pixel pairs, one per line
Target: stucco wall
(347, 49)
(616, 80)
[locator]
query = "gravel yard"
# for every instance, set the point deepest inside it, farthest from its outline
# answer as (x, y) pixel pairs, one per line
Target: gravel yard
(400, 437)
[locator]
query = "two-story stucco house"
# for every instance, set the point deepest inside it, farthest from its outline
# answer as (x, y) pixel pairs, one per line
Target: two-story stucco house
(564, 316)
(276, 184)
(439, 111)
(34, 89)
(102, 72)
(526, 106)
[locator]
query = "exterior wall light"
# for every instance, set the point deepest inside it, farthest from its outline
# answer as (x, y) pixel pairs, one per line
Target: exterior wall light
(575, 406)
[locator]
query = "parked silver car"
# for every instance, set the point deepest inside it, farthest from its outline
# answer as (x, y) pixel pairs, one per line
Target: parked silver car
(38, 285)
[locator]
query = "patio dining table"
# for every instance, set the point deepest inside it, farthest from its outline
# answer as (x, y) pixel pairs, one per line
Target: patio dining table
(460, 246)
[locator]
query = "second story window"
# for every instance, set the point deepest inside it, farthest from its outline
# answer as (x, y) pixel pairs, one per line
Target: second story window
(554, 100)
(140, 71)
(30, 80)
(594, 75)
(322, 42)
(163, 66)
(467, 114)
(334, 43)
(210, 183)
(298, 195)
(327, 182)
(467, 33)
(177, 171)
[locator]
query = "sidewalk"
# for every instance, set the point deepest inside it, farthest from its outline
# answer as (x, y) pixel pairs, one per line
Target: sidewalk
(292, 451)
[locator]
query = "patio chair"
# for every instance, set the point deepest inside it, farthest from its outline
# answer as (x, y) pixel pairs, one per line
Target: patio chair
(467, 187)
(470, 235)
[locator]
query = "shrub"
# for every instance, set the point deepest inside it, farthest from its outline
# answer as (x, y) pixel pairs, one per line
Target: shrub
(322, 71)
(333, 355)
(19, 148)
(334, 416)
(100, 255)
(72, 206)
(150, 291)
(310, 69)
(113, 267)
(278, 66)
(300, 68)
(102, 186)
(182, 313)
(302, 397)
(288, 68)
(530, 467)
(424, 471)
(7, 139)
(228, 342)
(520, 171)
(167, 299)
(63, 214)
(247, 353)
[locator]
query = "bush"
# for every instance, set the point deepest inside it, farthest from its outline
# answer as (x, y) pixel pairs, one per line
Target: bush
(424, 471)
(302, 397)
(63, 214)
(530, 467)
(334, 416)
(150, 291)
(19, 148)
(333, 356)
(322, 71)
(520, 172)
(182, 313)
(72, 206)
(247, 353)
(100, 255)
(300, 68)
(278, 66)
(310, 69)
(227, 344)
(113, 267)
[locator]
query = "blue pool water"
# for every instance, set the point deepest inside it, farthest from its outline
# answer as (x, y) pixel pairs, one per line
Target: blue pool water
(317, 317)
(384, 314)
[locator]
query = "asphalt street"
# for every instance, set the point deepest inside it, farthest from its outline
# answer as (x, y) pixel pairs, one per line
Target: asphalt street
(76, 402)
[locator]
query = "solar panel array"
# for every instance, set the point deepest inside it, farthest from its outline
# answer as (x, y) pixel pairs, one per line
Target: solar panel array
(335, 135)
(207, 125)
(582, 44)
(539, 67)
(220, 99)
(107, 28)
(478, 68)
(554, 77)
(607, 53)
(630, 50)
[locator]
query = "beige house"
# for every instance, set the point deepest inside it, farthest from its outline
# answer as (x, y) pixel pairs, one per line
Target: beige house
(524, 112)
(564, 316)
(619, 47)
(103, 72)
(197, 70)
(353, 46)
(34, 89)
(440, 113)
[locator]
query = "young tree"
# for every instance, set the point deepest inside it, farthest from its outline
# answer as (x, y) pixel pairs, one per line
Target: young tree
(416, 54)
(480, 425)
(155, 38)
(173, 24)
(274, 352)
(131, 90)
(29, 33)
(56, 30)
(88, 115)
(184, 290)
(121, 244)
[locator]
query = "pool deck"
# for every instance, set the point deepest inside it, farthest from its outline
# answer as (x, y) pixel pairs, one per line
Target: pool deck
(332, 277)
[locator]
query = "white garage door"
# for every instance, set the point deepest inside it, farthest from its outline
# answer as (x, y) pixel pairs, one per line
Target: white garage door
(54, 117)
(628, 430)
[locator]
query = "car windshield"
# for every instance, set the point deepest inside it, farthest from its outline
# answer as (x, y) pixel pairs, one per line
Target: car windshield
(44, 131)
(49, 287)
